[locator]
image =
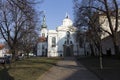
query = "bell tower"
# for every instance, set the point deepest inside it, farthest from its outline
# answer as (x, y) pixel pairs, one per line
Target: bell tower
(43, 30)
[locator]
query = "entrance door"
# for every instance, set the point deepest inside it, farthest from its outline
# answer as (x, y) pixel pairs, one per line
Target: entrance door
(68, 51)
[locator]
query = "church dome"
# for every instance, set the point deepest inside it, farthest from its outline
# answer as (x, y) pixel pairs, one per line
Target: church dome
(67, 22)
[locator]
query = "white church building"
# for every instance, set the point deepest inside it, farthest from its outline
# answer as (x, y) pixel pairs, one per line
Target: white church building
(59, 42)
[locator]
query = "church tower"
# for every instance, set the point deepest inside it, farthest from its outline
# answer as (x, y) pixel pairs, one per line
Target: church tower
(43, 30)
(42, 45)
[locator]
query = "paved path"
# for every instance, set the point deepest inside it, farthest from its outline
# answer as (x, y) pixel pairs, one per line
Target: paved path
(68, 69)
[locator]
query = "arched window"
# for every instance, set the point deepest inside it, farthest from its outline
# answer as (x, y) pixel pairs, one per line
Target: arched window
(53, 41)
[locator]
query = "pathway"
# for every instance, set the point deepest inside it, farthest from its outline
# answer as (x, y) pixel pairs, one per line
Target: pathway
(68, 69)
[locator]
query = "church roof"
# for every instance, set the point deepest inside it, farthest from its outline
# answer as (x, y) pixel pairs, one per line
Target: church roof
(67, 25)
(67, 21)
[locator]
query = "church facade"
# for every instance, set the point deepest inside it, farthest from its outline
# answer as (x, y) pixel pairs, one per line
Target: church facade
(59, 42)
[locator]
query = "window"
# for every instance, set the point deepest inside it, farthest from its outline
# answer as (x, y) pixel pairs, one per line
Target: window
(71, 42)
(53, 41)
(43, 34)
(42, 47)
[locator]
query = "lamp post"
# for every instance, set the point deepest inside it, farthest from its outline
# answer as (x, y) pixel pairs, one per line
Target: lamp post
(100, 52)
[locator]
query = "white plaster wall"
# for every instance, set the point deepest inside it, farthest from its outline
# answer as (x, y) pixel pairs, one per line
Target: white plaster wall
(62, 37)
(52, 51)
(105, 25)
(2, 52)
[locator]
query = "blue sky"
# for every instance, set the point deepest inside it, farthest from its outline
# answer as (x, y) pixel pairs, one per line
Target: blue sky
(55, 11)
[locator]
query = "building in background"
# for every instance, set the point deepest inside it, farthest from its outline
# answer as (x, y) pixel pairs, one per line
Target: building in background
(4, 50)
(107, 43)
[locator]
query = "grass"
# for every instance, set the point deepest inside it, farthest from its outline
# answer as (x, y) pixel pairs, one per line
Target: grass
(28, 69)
(111, 67)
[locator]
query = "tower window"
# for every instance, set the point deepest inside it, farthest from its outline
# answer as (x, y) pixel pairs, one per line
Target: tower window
(43, 34)
(53, 41)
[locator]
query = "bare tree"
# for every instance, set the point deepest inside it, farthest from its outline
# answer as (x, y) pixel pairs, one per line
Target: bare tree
(110, 9)
(28, 43)
(113, 27)
(16, 20)
(89, 18)
(110, 12)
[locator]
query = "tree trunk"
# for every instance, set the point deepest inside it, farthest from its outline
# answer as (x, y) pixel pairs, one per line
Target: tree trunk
(116, 47)
(92, 51)
(13, 55)
(12, 50)
(99, 47)
(100, 57)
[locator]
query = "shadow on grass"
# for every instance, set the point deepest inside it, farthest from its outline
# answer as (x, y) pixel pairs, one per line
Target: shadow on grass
(111, 67)
(88, 68)
(4, 75)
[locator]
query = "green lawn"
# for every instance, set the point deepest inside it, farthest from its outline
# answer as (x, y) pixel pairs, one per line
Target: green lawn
(28, 69)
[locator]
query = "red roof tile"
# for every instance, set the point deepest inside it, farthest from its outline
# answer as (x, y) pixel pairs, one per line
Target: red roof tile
(42, 39)
(1, 46)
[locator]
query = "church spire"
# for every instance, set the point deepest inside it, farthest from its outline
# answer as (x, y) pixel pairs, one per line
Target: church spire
(44, 22)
